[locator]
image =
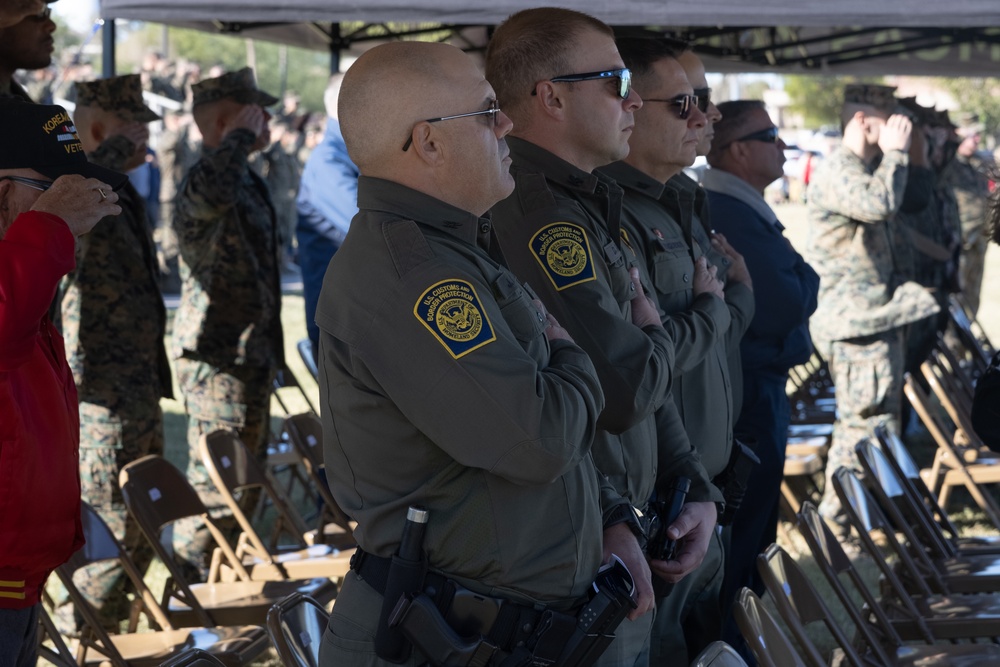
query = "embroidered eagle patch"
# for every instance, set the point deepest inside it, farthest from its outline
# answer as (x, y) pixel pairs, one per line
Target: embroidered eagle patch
(563, 250)
(451, 310)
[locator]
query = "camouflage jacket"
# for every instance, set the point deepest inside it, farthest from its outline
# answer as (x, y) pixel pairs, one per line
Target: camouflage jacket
(852, 210)
(230, 312)
(927, 231)
(113, 319)
(968, 179)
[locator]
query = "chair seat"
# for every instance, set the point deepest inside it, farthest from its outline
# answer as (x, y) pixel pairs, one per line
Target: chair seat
(950, 616)
(796, 465)
(810, 430)
(319, 560)
(234, 646)
(958, 655)
(245, 602)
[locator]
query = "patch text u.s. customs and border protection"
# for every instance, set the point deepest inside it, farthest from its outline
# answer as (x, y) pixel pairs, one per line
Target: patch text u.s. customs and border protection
(452, 311)
(563, 250)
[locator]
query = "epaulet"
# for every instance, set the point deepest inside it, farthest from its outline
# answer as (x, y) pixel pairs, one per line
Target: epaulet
(406, 244)
(533, 192)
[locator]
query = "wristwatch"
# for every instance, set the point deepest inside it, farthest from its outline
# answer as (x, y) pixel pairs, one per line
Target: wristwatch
(625, 513)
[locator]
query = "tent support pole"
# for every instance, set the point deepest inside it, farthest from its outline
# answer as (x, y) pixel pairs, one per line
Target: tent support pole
(108, 48)
(335, 46)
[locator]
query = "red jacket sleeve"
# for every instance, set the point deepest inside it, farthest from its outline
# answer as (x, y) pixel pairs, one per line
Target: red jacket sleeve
(36, 252)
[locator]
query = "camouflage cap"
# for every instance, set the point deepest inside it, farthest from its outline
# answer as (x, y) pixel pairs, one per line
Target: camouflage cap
(881, 97)
(238, 86)
(968, 124)
(120, 94)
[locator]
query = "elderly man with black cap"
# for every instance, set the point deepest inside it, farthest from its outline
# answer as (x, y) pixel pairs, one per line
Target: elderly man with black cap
(227, 333)
(114, 322)
(49, 195)
(864, 300)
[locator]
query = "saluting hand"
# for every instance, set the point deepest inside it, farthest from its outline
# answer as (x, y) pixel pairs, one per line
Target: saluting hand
(895, 134)
(249, 117)
(79, 201)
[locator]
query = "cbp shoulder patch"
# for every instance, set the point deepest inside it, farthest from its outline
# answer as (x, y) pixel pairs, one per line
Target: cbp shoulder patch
(451, 310)
(563, 250)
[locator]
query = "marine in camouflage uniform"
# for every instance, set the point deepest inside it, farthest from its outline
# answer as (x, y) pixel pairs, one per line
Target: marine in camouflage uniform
(863, 299)
(281, 172)
(227, 336)
(927, 230)
(966, 174)
(113, 321)
(176, 154)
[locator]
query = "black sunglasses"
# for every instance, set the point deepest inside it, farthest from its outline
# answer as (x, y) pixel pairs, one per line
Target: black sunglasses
(493, 110)
(684, 104)
(704, 96)
(43, 15)
(623, 75)
(32, 183)
(768, 136)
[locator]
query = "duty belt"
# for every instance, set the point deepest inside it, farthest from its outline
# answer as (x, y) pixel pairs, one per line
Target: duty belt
(504, 624)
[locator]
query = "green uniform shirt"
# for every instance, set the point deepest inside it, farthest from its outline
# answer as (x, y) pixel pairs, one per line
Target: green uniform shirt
(702, 389)
(440, 388)
(230, 312)
(560, 231)
(113, 317)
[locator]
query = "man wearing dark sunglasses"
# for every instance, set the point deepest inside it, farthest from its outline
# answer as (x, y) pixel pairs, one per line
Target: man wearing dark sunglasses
(559, 75)
(746, 156)
(28, 45)
(697, 310)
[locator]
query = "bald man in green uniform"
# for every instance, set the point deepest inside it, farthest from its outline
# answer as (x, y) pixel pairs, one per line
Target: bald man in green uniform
(444, 381)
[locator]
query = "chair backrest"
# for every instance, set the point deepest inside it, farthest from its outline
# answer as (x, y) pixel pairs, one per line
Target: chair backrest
(101, 545)
(981, 352)
(59, 654)
(902, 462)
(800, 604)
(305, 348)
(295, 626)
(763, 634)
(305, 431)
(193, 658)
(835, 565)
(945, 388)
(865, 516)
(911, 518)
(943, 437)
(719, 654)
(157, 494)
(234, 469)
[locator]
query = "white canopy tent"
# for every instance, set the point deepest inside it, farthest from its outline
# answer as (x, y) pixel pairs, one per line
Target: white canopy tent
(926, 37)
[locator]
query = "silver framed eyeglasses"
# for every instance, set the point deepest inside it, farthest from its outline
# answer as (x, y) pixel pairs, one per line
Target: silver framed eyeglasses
(493, 110)
(33, 183)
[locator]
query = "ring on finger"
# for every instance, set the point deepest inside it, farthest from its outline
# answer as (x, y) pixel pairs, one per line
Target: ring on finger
(104, 195)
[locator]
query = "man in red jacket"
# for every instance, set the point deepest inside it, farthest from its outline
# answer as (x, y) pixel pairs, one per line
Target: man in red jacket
(49, 195)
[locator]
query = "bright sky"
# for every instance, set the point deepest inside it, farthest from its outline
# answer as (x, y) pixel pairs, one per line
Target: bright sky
(79, 14)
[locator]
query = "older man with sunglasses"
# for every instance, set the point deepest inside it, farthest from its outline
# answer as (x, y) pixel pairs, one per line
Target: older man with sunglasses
(696, 309)
(746, 156)
(445, 384)
(559, 75)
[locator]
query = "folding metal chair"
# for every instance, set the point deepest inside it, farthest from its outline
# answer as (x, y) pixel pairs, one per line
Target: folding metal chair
(295, 626)
(235, 646)
(926, 614)
(719, 654)
(954, 465)
(193, 658)
(158, 495)
(235, 471)
(769, 644)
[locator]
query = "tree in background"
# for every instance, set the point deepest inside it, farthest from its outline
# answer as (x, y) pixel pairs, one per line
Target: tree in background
(818, 98)
(980, 96)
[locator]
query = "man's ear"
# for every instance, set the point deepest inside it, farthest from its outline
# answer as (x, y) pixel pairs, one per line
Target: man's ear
(548, 98)
(427, 144)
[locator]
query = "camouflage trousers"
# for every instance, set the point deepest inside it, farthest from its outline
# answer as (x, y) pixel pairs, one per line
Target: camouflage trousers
(971, 264)
(237, 400)
(108, 441)
(868, 376)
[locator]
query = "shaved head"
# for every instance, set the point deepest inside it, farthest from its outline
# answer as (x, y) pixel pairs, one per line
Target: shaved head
(389, 90)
